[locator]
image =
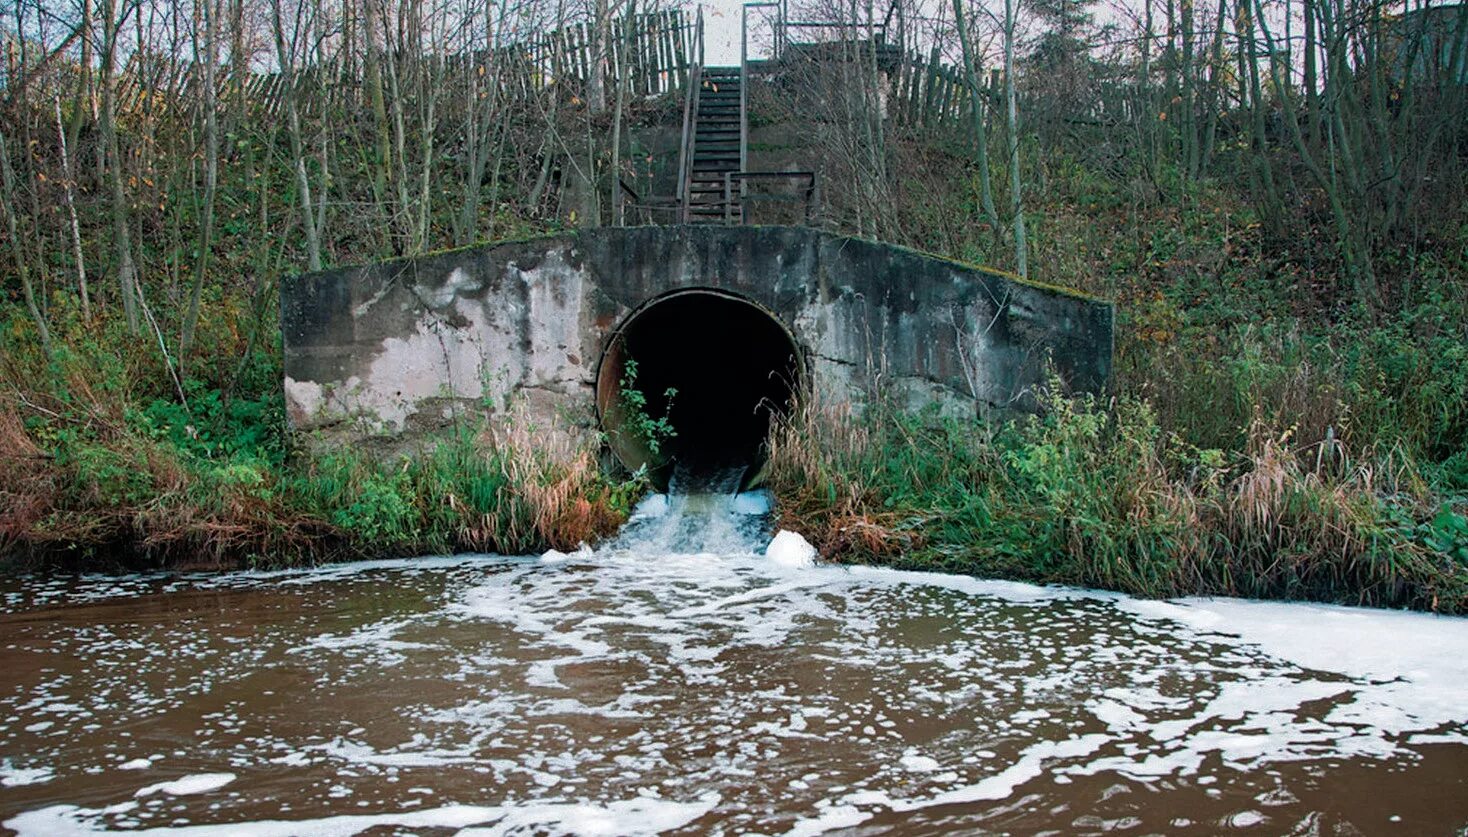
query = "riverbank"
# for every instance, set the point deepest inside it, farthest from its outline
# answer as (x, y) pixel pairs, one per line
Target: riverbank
(1085, 494)
(144, 493)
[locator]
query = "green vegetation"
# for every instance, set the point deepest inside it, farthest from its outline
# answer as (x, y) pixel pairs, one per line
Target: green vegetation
(1105, 497)
(102, 468)
(648, 431)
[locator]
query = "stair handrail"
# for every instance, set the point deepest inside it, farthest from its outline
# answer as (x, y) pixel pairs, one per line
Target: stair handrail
(690, 117)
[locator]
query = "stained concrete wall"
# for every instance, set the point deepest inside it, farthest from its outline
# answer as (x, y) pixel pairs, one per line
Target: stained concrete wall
(400, 347)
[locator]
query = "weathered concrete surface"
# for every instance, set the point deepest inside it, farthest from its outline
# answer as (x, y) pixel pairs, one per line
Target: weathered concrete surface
(408, 345)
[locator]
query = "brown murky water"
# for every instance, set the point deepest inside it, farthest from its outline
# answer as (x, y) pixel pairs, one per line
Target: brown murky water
(629, 692)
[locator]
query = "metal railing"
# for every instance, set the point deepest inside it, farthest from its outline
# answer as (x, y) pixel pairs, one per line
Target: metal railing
(849, 30)
(690, 120)
(807, 196)
(633, 209)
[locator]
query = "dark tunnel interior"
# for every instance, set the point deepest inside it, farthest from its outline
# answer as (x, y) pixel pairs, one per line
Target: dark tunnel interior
(733, 367)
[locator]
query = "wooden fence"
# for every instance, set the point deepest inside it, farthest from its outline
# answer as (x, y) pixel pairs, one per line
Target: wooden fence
(653, 52)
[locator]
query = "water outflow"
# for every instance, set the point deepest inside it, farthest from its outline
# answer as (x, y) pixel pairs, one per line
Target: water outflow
(703, 512)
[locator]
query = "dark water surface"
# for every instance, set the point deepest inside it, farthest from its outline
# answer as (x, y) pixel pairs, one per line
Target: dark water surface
(636, 691)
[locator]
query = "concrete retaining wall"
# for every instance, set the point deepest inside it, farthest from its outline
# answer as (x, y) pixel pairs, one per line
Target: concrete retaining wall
(393, 349)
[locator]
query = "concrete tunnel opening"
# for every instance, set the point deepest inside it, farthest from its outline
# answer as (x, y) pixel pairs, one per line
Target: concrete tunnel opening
(733, 366)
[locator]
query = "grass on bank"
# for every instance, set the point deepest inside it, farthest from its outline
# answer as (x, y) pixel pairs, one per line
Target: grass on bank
(1102, 496)
(135, 498)
(103, 465)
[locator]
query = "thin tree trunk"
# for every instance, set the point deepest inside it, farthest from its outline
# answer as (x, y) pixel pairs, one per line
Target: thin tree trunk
(972, 71)
(211, 178)
(286, 58)
(1021, 246)
(619, 70)
(1312, 94)
(74, 225)
(601, 36)
(372, 68)
(1188, 73)
(121, 232)
(1215, 88)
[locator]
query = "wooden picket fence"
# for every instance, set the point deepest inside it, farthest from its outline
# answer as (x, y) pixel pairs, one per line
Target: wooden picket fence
(653, 52)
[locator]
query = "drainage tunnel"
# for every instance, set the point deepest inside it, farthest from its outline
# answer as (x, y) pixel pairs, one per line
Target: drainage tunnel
(732, 367)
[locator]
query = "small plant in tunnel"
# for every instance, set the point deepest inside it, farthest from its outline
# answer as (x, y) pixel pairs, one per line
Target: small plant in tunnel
(650, 431)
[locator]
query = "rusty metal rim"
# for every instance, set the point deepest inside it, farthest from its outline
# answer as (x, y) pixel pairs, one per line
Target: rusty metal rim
(614, 337)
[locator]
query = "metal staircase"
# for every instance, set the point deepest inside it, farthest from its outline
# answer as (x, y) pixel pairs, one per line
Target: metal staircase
(716, 147)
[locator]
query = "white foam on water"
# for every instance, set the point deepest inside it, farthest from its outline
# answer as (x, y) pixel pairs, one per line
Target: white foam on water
(1409, 671)
(831, 818)
(15, 777)
(651, 506)
(758, 501)
(789, 549)
(920, 764)
(554, 556)
(188, 785)
(1030, 765)
(624, 818)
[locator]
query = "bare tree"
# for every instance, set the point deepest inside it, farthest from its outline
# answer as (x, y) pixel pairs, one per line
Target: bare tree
(288, 45)
(113, 19)
(208, 61)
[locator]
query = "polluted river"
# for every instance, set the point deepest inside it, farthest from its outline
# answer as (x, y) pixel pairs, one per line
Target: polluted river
(694, 677)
